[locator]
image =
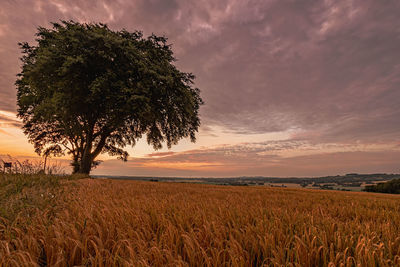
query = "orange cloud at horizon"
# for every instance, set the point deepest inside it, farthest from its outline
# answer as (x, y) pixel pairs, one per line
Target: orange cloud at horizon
(214, 163)
(204, 166)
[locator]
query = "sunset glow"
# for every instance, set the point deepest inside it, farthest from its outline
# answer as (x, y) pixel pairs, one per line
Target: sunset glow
(314, 94)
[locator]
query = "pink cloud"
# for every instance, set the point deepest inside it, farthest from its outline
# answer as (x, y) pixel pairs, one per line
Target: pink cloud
(327, 70)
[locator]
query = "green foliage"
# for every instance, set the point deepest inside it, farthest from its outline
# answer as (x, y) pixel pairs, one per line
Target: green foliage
(391, 187)
(86, 89)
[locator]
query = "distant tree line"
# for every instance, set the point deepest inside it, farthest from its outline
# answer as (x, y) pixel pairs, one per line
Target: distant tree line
(390, 187)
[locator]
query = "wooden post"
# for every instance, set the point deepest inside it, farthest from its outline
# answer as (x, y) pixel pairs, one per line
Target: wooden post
(7, 165)
(45, 161)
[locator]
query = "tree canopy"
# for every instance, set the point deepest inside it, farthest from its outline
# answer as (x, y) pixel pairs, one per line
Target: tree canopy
(85, 89)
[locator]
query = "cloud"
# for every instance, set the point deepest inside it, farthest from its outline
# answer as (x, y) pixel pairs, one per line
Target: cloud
(272, 166)
(160, 154)
(329, 71)
(277, 158)
(328, 63)
(8, 119)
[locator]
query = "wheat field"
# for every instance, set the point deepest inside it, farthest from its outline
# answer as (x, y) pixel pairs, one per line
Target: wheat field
(91, 222)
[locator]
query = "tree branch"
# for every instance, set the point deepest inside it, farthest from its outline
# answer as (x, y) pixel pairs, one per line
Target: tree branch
(100, 145)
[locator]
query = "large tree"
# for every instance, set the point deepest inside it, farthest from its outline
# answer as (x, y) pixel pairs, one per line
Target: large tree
(85, 89)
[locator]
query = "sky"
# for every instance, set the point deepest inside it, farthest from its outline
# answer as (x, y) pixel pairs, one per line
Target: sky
(291, 88)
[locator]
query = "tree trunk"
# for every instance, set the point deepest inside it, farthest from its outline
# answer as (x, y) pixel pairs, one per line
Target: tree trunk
(87, 159)
(86, 164)
(75, 164)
